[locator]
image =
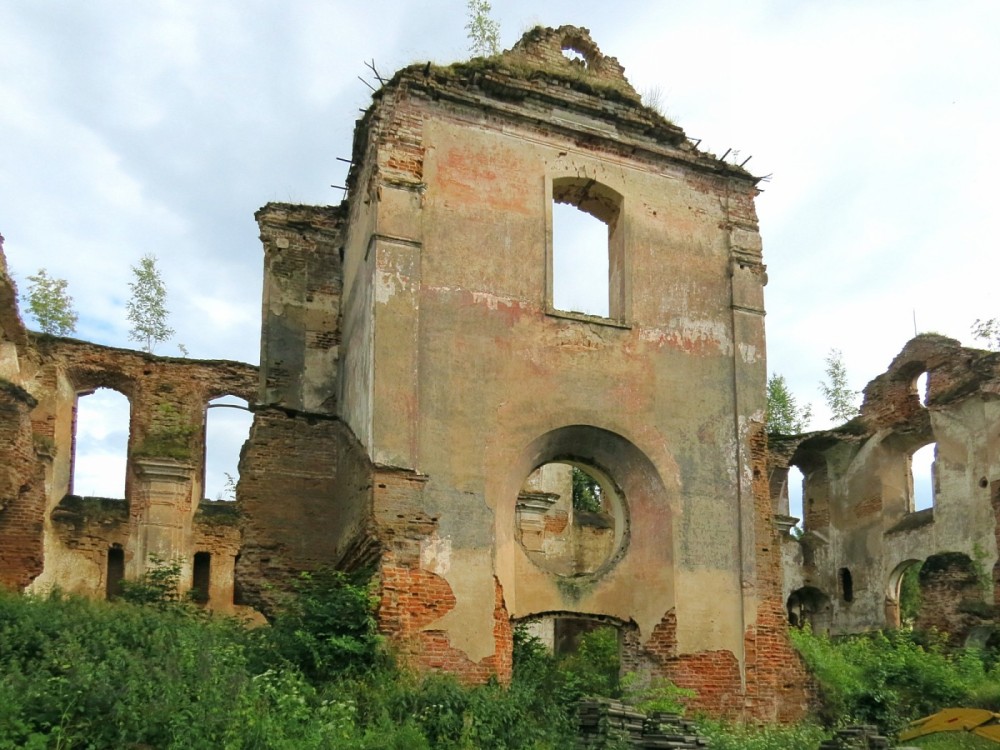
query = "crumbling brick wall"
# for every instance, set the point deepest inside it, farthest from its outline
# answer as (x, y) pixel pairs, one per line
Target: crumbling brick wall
(22, 491)
(293, 516)
(952, 596)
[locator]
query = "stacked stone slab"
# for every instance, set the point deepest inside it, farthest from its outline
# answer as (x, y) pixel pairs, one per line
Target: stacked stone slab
(857, 738)
(602, 721)
(669, 730)
(605, 721)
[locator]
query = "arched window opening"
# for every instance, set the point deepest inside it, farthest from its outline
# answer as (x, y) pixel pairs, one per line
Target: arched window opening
(809, 605)
(201, 576)
(575, 56)
(569, 518)
(923, 479)
(953, 594)
(100, 444)
(587, 263)
(846, 585)
(921, 387)
(115, 572)
(908, 592)
(227, 426)
(796, 483)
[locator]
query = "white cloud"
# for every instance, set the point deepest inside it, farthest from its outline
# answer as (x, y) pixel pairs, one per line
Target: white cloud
(161, 127)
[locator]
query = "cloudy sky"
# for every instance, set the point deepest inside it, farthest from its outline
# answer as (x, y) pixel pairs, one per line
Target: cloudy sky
(159, 127)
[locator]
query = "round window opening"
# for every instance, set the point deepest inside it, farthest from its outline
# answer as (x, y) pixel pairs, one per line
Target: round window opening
(571, 518)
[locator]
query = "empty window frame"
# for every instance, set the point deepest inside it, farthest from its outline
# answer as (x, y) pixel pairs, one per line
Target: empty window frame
(923, 480)
(846, 585)
(100, 444)
(587, 258)
(796, 485)
(227, 425)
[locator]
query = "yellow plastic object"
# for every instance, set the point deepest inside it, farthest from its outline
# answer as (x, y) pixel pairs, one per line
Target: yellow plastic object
(975, 720)
(989, 731)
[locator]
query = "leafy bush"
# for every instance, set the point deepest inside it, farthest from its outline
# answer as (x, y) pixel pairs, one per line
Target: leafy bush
(157, 585)
(890, 678)
(327, 627)
(76, 673)
(725, 736)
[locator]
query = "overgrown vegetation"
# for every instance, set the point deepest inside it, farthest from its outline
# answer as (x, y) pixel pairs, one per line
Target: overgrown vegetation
(154, 670)
(587, 492)
(988, 332)
(889, 678)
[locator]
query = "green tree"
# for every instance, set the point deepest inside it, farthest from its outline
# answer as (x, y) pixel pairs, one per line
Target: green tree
(838, 396)
(147, 310)
(586, 491)
(50, 304)
(784, 415)
(987, 331)
(483, 31)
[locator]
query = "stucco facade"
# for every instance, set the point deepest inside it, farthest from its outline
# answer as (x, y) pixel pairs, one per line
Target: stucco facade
(448, 375)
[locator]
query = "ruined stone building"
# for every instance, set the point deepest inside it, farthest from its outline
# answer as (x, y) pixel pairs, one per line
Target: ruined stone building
(51, 537)
(427, 404)
(862, 530)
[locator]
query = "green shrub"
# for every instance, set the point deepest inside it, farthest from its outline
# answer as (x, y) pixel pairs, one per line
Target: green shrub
(725, 736)
(327, 627)
(890, 678)
(157, 585)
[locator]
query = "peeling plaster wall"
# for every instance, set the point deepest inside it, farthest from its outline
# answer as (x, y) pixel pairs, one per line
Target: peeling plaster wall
(458, 378)
(859, 492)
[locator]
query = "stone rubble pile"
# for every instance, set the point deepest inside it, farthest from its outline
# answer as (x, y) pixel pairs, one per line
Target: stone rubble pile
(603, 721)
(857, 738)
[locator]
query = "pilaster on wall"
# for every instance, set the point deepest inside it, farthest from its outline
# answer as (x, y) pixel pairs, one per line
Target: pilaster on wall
(162, 510)
(303, 277)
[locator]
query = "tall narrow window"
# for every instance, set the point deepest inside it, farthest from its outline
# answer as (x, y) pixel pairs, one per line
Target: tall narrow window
(922, 479)
(922, 389)
(115, 572)
(587, 256)
(100, 440)
(238, 596)
(846, 585)
(201, 577)
(796, 481)
(227, 425)
(579, 262)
